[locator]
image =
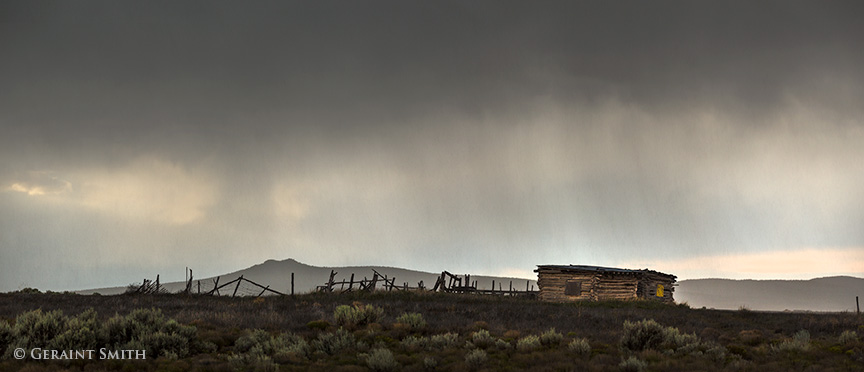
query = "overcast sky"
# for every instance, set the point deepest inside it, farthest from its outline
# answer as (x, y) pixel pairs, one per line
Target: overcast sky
(702, 139)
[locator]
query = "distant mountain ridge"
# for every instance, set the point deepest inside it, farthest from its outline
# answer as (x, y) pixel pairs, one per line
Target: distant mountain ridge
(277, 274)
(835, 293)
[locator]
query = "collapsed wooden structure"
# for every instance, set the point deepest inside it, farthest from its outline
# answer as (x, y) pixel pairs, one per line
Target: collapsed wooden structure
(563, 283)
(446, 282)
(153, 287)
(146, 287)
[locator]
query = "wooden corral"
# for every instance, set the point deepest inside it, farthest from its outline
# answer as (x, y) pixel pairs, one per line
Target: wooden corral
(447, 282)
(563, 283)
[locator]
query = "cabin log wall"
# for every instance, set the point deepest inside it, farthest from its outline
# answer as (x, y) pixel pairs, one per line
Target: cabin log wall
(603, 285)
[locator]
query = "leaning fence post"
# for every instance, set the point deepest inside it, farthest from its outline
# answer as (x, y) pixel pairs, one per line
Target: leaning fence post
(240, 279)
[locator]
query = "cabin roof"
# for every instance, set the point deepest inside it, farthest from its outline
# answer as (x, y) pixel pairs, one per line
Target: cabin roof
(600, 269)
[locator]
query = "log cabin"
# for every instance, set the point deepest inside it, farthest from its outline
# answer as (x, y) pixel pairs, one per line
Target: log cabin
(564, 283)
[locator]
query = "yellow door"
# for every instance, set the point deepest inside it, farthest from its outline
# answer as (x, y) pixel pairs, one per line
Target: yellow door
(659, 290)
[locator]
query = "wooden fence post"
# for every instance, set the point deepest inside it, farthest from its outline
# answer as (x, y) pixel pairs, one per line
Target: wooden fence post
(238, 285)
(330, 282)
(292, 284)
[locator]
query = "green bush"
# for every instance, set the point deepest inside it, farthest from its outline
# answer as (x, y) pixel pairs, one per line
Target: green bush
(846, 338)
(430, 363)
(503, 345)
(643, 335)
(149, 330)
(255, 337)
(632, 364)
(414, 321)
(476, 358)
(333, 342)
(481, 339)
(357, 315)
(682, 343)
(381, 360)
(320, 325)
(716, 353)
(258, 350)
(7, 336)
(414, 343)
(551, 337)
(528, 343)
(27, 290)
(648, 334)
(141, 329)
(38, 329)
(799, 342)
(580, 346)
(255, 362)
(443, 341)
(83, 332)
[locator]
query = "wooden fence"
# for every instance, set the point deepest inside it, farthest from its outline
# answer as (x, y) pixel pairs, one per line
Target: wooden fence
(446, 282)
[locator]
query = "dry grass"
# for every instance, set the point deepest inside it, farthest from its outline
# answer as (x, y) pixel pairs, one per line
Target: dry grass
(749, 339)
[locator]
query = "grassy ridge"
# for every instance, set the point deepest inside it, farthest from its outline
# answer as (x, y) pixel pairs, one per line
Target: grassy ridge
(490, 333)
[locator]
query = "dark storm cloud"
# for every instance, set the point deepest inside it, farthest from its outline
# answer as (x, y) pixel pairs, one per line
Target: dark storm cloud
(367, 62)
(447, 131)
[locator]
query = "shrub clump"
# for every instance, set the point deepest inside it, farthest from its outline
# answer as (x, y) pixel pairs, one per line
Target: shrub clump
(632, 364)
(650, 335)
(82, 333)
(142, 329)
(799, 342)
(503, 345)
(443, 341)
(253, 362)
(414, 321)
(430, 363)
(642, 335)
(476, 358)
(528, 343)
(846, 338)
(37, 329)
(381, 360)
(481, 339)
(148, 329)
(6, 337)
(551, 337)
(414, 343)
(580, 346)
(320, 325)
(357, 315)
(258, 347)
(333, 342)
